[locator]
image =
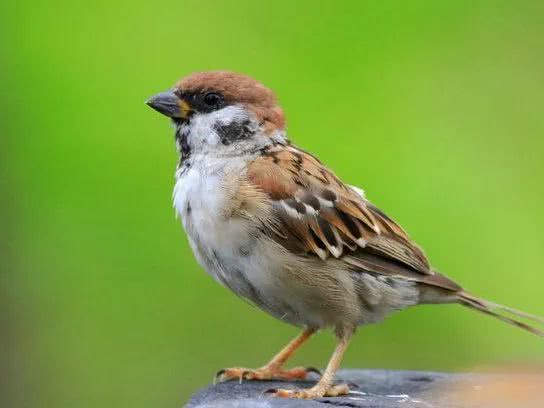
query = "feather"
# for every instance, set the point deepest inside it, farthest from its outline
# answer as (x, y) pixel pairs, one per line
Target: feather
(328, 218)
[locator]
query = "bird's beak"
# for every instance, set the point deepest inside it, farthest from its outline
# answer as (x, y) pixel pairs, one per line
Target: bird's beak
(169, 104)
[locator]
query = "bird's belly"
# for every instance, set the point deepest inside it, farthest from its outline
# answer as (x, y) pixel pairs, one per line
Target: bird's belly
(246, 265)
(259, 271)
(222, 244)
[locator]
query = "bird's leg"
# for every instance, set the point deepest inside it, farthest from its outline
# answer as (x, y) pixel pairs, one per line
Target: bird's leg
(325, 387)
(273, 369)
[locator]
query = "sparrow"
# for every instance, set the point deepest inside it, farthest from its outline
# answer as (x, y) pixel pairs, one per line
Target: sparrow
(277, 227)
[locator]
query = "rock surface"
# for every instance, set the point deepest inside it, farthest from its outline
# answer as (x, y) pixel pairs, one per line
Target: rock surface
(370, 388)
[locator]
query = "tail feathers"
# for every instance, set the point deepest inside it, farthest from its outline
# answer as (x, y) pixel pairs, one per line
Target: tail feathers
(501, 312)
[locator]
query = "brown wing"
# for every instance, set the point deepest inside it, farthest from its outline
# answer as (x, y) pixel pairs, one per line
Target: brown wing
(316, 214)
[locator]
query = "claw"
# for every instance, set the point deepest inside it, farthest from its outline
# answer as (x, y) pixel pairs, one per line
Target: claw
(226, 374)
(264, 373)
(310, 393)
(268, 392)
(219, 374)
(244, 375)
(352, 385)
(313, 370)
(282, 393)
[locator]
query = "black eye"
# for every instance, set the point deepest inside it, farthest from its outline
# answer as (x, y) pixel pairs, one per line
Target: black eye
(212, 99)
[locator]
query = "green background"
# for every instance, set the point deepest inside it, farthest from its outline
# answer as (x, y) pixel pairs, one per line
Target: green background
(435, 108)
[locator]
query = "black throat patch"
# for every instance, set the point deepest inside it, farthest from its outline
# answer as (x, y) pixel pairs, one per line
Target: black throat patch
(182, 135)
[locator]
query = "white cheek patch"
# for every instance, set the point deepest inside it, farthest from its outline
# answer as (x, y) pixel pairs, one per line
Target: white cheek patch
(203, 126)
(229, 114)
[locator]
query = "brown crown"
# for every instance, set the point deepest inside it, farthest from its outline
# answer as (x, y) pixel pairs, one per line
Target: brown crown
(238, 89)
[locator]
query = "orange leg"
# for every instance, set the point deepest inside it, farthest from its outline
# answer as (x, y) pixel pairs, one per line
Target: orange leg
(324, 387)
(273, 369)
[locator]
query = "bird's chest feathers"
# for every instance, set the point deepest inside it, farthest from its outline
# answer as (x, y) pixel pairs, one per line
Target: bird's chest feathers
(203, 198)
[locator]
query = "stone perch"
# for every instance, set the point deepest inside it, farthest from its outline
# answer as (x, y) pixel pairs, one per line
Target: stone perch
(388, 389)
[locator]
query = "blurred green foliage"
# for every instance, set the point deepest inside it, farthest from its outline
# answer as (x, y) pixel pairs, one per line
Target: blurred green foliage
(435, 108)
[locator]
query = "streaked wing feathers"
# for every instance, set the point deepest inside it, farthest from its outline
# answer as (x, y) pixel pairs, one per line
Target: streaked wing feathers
(318, 214)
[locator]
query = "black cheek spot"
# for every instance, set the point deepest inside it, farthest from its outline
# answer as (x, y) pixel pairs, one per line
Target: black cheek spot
(233, 131)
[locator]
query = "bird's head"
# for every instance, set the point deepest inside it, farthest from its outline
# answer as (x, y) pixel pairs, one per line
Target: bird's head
(221, 112)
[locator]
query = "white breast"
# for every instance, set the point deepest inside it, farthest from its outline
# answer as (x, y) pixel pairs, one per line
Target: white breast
(199, 196)
(201, 199)
(230, 248)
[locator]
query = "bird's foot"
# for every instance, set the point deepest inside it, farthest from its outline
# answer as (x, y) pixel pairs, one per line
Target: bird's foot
(309, 393)
(265, 373)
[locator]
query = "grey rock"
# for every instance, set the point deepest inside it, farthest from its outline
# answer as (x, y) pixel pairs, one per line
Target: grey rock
(370, 388)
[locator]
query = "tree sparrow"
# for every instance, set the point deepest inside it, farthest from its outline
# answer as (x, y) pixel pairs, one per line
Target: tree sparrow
(273, 224)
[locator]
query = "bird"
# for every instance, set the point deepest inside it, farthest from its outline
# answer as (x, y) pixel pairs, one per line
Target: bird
(272, 223)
